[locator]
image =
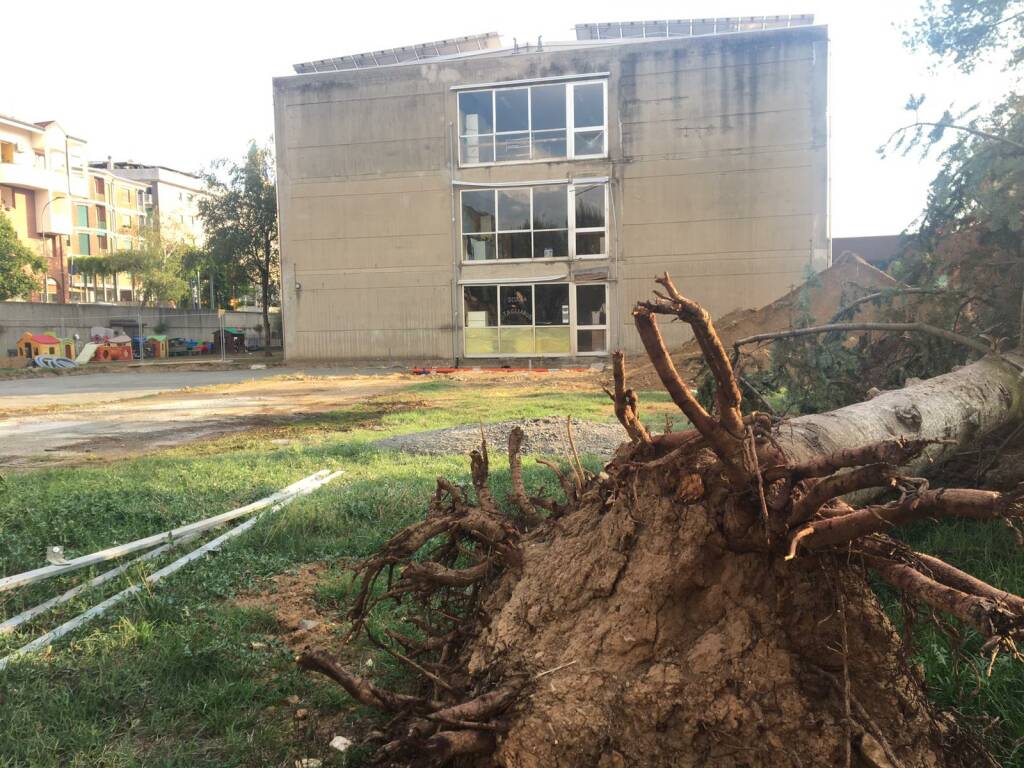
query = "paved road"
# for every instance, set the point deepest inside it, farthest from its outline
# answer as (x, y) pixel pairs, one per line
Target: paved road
(114, 415)
(87, 388)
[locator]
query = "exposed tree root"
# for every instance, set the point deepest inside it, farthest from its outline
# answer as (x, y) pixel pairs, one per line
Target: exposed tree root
(700, 602)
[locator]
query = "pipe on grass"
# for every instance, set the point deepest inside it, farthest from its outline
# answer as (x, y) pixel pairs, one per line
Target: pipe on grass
(98, 610)
(176, 534)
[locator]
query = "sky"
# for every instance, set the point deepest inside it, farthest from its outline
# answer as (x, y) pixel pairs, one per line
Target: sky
(183, 83)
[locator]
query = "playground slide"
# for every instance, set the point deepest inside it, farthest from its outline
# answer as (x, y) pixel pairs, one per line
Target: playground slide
(86, 354)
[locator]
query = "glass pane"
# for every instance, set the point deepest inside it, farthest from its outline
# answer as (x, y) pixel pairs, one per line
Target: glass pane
(588, 105)
(590, 341)
(589, 143)
(511, 146)
(475, 113)
(516, 305)
(512, 109)
(479, 247)
(481, 305)
(590, 206)
(590, 244)
(552, 304)
(551, 245)
(550, 208)
(513, 209)
(516, 341)
(481, 341)
(478, 210)
(553, 340)
(515, 245)
(547, 103)
(477, 149)
(548, 144)
(590, 308)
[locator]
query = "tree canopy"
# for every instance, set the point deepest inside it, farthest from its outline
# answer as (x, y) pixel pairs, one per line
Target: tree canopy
(18, 264)
(240, 218)
(155, 263)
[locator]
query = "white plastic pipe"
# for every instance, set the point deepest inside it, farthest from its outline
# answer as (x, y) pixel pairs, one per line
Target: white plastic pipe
(12, 623)
(49, 571)
(98, 610)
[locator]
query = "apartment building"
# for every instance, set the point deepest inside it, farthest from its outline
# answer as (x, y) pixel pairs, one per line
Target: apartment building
(41, 169)
(175, 197)
(110, 217)
(465, 201)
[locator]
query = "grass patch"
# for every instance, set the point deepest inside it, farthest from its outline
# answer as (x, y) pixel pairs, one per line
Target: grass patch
(180, 675)
(183, 676)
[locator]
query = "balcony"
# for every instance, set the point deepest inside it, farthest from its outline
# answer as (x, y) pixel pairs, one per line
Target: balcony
(27, 175)
(53, 213)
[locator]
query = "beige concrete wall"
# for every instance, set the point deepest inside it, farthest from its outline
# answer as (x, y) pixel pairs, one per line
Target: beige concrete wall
(718, 172)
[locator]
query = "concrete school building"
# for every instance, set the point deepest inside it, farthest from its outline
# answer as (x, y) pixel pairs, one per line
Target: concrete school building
(463, 201)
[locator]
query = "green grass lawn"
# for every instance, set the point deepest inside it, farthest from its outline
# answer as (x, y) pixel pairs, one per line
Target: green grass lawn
(181, 675)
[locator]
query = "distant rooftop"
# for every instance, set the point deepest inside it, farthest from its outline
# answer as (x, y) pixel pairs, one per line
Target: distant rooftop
(689, 27)
(132, 165)
(489, 43)
(405, 55)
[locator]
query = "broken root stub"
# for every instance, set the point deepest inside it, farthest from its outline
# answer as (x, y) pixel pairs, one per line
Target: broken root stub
(654, 618)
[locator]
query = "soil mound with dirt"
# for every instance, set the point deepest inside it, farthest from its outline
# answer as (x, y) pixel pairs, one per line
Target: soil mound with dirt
(849, 277)
(545, 436)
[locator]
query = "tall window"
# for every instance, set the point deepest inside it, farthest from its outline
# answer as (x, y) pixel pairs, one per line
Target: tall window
(535, 320)
(591, 318)
(81, 216)
(83, 244)
(554, 221)
(531, 123)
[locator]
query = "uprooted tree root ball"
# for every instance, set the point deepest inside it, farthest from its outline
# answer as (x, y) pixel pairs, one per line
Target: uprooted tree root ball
(703, 601)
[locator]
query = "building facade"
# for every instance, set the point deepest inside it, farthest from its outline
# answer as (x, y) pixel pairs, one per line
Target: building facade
(514, 204)
(175, 197)
(41, 169)
(110, 217)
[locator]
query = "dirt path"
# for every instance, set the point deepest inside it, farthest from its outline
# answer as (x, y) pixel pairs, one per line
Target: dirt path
(47, 429)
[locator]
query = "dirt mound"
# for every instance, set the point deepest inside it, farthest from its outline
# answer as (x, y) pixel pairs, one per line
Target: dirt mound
(545, 436)
(291, 601)
(674, 651)
(849, 277)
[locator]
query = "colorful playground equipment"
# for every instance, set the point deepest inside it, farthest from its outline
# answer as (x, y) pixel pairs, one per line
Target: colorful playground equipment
(32, 345)
(156, 346)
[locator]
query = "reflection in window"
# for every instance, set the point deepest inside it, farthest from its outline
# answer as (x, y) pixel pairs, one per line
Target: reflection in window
(525, 123)
(517, 305)
(478, 220)
(590, 221)
(591, 318)
(517, 319)
(534, 222)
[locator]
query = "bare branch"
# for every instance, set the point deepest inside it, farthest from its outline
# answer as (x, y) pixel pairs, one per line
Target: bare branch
(361, 689)
(945, 502)
(727, 391)
(519, 496)
(625, 400)
(930, 330)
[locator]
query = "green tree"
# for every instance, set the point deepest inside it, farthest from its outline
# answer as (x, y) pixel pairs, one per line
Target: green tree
(240, 219)
(155, 263)
(18, 265)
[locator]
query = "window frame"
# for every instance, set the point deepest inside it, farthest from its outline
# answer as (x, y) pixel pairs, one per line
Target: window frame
(572, 325)
(572, 230)
(576, 327)
(570, 123)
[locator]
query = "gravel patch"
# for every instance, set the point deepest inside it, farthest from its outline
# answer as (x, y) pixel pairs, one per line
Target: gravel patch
(544, 436)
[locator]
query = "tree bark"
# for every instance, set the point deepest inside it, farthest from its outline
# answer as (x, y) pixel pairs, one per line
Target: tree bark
(952, 409)
(265, 289)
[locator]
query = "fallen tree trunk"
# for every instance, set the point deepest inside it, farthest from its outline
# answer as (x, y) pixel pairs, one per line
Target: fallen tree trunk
(952, 410)
(703, 600)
